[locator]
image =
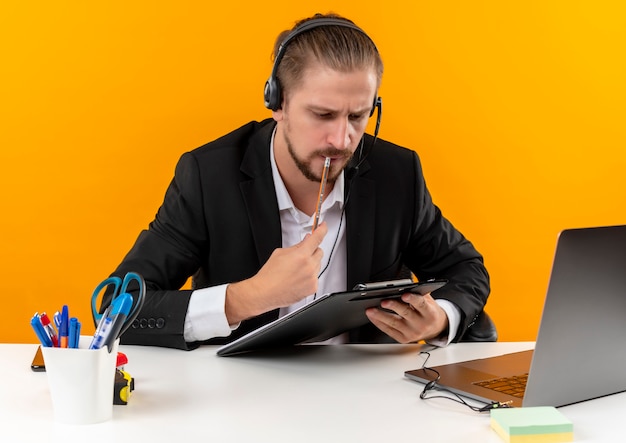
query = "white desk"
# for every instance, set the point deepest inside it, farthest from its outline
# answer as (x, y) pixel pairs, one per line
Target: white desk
(345, 393)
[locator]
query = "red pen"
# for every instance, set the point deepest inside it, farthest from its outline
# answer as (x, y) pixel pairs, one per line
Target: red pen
(45, 321)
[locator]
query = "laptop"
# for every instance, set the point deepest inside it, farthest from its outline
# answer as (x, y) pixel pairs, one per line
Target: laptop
(580, 351)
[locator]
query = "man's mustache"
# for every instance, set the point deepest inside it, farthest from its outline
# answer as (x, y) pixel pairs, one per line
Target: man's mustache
(334, 153)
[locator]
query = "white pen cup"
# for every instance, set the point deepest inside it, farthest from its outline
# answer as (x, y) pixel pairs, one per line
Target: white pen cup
(81, 382)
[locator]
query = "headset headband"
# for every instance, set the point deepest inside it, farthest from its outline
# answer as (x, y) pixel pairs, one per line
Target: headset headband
(272, 92)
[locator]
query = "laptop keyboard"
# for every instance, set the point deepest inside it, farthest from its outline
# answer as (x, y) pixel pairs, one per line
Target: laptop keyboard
(514, 385)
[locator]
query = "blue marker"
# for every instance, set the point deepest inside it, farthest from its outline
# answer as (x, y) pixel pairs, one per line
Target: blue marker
(64, 328)
(44, 338)
(74, 333)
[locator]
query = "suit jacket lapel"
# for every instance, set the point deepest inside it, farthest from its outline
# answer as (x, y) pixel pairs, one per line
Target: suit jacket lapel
(360, 225)
(259, 194)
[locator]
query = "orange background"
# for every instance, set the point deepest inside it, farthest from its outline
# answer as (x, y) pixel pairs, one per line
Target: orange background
(516, 108)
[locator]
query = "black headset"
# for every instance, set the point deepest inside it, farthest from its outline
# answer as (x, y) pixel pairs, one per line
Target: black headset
(272, 92)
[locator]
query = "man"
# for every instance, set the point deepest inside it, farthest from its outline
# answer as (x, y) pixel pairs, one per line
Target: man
(238, 214)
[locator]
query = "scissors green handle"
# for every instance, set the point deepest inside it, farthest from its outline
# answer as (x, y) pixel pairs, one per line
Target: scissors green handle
(120, 287)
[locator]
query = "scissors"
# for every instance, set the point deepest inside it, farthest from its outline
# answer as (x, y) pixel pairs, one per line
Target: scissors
(120, 288)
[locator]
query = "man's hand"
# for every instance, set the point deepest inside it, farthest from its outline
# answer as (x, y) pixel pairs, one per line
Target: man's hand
(415, 318)
(287, 277)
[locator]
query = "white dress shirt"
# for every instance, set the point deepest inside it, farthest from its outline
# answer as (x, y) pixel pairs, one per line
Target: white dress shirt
(206, 317)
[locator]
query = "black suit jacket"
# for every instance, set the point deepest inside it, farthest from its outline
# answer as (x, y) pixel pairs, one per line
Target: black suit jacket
(219, 222)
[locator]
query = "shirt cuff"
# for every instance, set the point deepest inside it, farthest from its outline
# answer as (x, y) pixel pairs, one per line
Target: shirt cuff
(206, 316)
(454, 319)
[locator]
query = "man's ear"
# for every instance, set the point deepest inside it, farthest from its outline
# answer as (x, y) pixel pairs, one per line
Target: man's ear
(278, 114)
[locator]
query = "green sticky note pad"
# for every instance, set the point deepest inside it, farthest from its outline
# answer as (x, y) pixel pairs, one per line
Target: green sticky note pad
(537, 424)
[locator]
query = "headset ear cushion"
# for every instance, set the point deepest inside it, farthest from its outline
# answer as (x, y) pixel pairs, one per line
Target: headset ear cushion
(266, 94)
(272, 94)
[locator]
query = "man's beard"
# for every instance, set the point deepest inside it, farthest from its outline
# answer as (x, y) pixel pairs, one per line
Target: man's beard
(304, 165)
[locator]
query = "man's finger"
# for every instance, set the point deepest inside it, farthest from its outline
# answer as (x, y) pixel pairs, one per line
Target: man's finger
(418, 302)
(312, 241)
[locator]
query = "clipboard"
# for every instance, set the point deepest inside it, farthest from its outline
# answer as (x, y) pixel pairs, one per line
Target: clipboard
(325, 317)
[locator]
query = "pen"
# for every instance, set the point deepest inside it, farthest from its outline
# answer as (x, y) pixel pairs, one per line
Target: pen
(121, 308)
(320, 196)
(42, 335)
(45, 321)
(111, 325)
(64, 327)
(57, 319)
(74, 333)
(101, 334)
(105, 314)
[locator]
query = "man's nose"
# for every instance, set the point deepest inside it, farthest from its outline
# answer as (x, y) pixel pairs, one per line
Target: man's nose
(339, 136)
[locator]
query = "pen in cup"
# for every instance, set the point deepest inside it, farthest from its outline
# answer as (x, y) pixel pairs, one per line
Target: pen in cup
(320, 196)
(64, 327)
(101, 333)
(105, 314)
(45, 321)
(42, 335)
(65, 336)
(121, 308)
(111, 325)
(74, 333)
